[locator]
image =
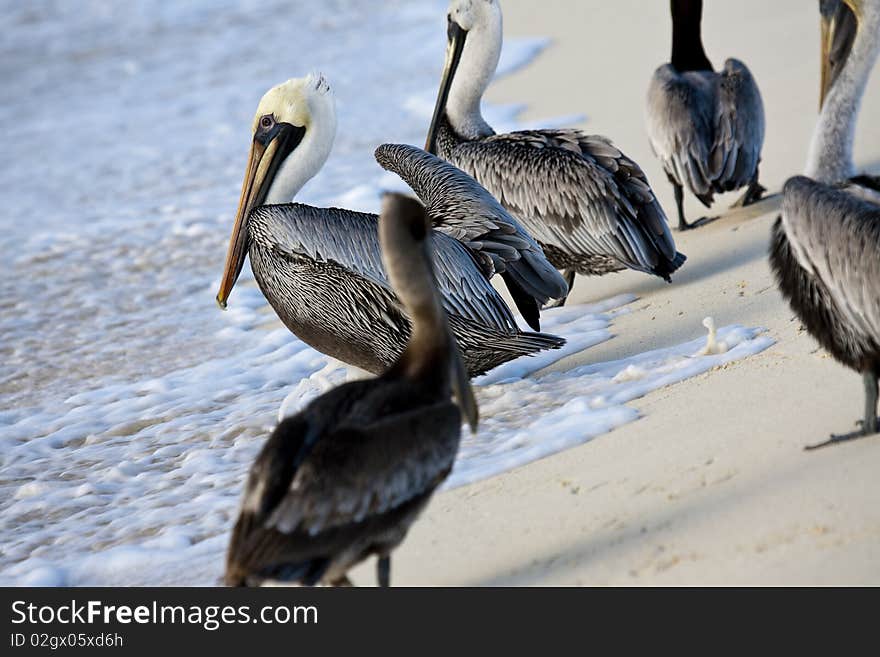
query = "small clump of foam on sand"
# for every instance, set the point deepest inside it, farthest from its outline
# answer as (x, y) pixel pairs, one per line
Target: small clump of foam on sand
(713, 346)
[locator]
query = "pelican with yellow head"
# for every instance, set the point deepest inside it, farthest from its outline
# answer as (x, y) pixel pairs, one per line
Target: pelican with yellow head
(293, 133)
(321, 268)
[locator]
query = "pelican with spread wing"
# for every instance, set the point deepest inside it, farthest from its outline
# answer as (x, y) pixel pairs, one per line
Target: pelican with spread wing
(321, 269)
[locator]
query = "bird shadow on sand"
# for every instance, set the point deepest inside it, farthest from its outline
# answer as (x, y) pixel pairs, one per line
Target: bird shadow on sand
(836, 439)
(695, 269)
(646, 544)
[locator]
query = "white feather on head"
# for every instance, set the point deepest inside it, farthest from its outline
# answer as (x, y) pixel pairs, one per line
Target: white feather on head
(482, 48)
(305, 103)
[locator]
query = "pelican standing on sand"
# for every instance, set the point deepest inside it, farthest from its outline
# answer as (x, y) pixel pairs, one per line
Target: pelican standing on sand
(706, 128)
(825, 248)
(321, 269)
(346, 477)
(588, 205)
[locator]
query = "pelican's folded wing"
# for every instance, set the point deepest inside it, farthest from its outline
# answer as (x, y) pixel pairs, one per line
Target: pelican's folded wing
(575, 191)
(350, 239)
(739, 128)
(680, 117)
(361, 471)
(331, 476)
(837, 238)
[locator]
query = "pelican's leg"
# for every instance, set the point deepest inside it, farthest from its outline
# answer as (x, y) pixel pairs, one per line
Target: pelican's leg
(679, 202)
(753, 193)
(869, 424)
(569, 279)
(383, 571)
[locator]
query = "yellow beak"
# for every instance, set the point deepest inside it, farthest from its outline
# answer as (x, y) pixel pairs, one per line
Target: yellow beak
(252, 194)
(838, 30)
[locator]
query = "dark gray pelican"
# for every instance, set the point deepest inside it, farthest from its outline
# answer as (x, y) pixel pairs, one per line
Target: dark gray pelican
(706, 128)
(321, 270)
(346, 477)
(586, 203)
(825, 249)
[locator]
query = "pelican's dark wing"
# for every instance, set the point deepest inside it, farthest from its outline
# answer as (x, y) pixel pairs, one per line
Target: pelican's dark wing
(362, 471)
(315, 492)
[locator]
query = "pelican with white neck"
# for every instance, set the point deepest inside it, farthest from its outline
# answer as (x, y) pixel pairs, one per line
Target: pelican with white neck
(845, 73)
(321, 270)
(288, 149)
(825, 248)
(588, 205)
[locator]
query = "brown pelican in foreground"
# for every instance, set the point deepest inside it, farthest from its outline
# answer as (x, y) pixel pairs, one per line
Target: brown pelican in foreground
(586, 203)
(825, 249)
(321, 270)
(706, 128)
(346, 477)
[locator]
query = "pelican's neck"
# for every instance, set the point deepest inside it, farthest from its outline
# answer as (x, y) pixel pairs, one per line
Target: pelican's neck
(687, 43)
(479, 58)
(831, 149)
(304, 162)
(409, 271)
(430, 334)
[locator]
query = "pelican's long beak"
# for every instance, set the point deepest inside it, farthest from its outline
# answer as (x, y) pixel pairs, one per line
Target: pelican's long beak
(456, 37)
(461, 389)
(824, 63)
(839, 23)
(268, 150)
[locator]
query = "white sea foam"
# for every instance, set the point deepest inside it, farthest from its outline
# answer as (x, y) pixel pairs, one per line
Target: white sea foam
(130, 407)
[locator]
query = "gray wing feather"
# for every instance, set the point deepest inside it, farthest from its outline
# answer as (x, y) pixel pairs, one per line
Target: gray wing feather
(739, 128)
(680, 120)
(575, 191)
(351, 240)
(836, 237)
(706, 128)
(382, 468)
(461, 208)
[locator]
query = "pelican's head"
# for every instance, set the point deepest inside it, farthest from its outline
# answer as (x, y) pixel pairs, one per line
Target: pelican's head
(474, 35)
(475, 14)
(293, 133)
(838, 31)
(841, 21)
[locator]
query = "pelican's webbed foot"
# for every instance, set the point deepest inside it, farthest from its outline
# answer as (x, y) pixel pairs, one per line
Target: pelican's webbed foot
(754, 193)
(868, 426)
(702, 221)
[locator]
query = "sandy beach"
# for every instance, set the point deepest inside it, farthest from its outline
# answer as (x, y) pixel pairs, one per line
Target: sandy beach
(712, 486)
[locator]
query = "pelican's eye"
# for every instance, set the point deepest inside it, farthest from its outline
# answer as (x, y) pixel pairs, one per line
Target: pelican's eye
(267, 121)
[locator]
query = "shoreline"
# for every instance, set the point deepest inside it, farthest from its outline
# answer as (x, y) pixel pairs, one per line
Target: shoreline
(711, 484)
